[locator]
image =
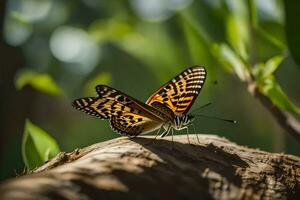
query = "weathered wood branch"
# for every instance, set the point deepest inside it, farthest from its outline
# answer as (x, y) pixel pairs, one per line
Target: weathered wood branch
(126, 168)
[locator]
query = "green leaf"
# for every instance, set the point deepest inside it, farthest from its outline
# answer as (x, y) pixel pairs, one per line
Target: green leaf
(237, 29)
(271, 66)
(267, 45)
(142, 45)
(237, 37)
(197, 40)
(231, 60)
(252, 13)
(101, 78)
(37, 146)
(273, 41)
(278, 97)
(292, 24)
(110, 30)
(40, 81)
(265, 71)
(267, 84)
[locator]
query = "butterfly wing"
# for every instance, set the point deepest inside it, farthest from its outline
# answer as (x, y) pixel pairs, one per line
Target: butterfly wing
(133, 125)
(179, 93)
(127, 115)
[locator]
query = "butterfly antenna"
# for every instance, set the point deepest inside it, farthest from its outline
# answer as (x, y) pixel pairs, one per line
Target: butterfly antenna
(201, 107)
(221, 119)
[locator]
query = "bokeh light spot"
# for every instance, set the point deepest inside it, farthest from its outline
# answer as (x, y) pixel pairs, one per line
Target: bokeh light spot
(73, 45)
(156, 10)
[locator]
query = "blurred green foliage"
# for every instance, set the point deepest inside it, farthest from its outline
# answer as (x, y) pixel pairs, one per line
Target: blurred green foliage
(231, 61)
(101, 78)
(292, 28)
(137, 45)
(38, 146)
(41, 82)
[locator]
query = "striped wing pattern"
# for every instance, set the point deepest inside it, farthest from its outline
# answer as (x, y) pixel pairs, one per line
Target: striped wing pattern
(179, 93)
(127, 115)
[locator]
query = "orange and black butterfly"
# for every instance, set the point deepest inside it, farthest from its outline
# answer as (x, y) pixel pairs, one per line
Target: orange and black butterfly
(165, 110)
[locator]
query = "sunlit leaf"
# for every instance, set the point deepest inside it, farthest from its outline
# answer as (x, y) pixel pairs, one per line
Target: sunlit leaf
(141, 42)
(237, 29)
(109, 30)
(267, 84)
(271, 65)
(101, 78)
(153, 46)
(40, 81)
(236, 33)
(252, 9)
(278, 97)
(265, 71)
(37, 146)
(197, 41)
(231, 60)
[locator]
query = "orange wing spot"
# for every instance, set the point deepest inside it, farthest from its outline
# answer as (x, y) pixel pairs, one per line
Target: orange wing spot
(179, 93)
(170, 105)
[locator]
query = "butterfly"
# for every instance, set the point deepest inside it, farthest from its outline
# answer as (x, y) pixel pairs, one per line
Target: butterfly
(165, 110)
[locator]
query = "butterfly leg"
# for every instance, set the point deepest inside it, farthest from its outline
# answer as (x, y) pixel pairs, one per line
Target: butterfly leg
(187, 134)
(195, 132)
(154, 139)
(172, 131)
(167, 131)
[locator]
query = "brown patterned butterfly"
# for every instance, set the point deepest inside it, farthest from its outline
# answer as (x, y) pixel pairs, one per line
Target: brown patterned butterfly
(166, 109)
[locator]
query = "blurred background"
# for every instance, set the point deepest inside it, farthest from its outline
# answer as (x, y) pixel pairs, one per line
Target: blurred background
(53, 51)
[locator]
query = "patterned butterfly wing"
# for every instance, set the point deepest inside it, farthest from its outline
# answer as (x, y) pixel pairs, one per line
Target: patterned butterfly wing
(179, 93)
(127, 115)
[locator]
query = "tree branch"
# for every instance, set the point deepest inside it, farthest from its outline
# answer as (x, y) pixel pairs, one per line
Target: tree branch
(128, 169)
(285, 120)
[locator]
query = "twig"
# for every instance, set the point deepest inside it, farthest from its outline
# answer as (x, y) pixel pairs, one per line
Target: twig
(285, 120)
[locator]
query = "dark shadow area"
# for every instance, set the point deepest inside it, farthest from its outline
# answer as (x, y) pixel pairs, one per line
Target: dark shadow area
(165, 185)
(211, 158)
(169, 183)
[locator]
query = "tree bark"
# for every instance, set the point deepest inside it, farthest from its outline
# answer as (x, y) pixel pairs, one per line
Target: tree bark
(130, 168)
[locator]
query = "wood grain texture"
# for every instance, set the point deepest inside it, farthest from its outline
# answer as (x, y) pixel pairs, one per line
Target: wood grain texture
(125, 168)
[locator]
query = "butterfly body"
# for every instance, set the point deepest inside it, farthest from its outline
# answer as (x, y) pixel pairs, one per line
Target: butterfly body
(166, 109)
(181, 122)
